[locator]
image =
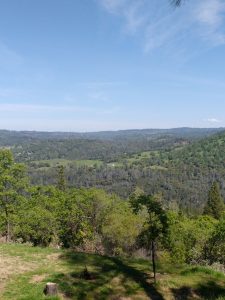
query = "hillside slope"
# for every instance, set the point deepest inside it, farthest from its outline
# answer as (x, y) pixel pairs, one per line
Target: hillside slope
(207, 153)
(183, 174)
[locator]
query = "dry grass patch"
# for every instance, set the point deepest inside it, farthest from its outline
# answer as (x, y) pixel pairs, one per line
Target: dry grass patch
(38, 278)
(10, 266)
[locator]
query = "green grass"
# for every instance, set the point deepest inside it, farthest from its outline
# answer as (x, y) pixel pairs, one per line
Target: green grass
(25, 270)
(141, 156)
(66, 162)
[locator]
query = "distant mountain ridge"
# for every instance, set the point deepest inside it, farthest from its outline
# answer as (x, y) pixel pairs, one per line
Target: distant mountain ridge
(106, 145)
(9, 138)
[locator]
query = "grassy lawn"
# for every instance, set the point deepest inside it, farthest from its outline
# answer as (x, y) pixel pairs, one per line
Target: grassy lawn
(24, 271)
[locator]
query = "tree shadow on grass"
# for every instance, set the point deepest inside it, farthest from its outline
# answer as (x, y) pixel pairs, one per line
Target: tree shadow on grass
(128, 280)
(139, 277)
(209, 290)
(183, 293)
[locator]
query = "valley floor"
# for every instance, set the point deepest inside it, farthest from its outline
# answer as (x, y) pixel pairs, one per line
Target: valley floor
(25, 270)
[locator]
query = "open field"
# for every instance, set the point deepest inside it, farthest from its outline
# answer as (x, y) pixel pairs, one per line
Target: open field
(24, 271)
(44, 164)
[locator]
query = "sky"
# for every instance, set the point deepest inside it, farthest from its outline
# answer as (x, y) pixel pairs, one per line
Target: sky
(92, 65)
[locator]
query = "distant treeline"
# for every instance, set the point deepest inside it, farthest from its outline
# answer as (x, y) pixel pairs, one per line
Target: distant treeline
(10, 138)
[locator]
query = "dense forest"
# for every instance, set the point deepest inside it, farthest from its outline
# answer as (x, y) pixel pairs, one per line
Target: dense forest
(181, 165)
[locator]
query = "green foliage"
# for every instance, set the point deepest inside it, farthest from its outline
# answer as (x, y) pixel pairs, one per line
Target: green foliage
(187, 237)
(74, 225)
(121, 229)
(12, 190)
(98, 222)
(37, 217)
(156, 223)
(215, 248)
(215, 204)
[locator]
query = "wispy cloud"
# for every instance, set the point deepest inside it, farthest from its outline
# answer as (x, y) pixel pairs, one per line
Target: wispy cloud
(113, 5)
(132, 11)
(210, 15)
(210, 12)
(213, 120)
(159, 25)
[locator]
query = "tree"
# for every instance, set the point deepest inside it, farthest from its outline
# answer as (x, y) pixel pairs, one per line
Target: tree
(215, 205)
(121, 228)
(61, 182)
(187, 237)
(73, 220)
(156, 225)
(12, 185)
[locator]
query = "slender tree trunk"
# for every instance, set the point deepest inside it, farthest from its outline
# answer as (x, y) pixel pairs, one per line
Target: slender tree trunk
(7, 238)
(8, 231)
(153, 260)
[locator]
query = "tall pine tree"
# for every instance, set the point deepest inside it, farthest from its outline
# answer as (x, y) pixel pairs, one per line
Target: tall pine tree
(215, 204)
(61, 181)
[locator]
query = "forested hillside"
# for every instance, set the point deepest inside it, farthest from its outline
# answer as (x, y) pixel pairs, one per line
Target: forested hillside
(182, 173)
(76, 149)
(178, 163)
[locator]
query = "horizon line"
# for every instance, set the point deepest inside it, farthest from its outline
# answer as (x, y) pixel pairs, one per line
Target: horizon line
(112, 130)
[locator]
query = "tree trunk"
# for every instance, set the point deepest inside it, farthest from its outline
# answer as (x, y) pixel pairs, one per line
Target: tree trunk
(8, 237)
(153, 261)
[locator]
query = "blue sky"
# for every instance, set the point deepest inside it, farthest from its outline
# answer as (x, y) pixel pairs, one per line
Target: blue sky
(89, 65)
